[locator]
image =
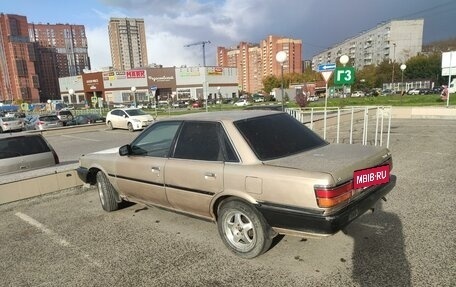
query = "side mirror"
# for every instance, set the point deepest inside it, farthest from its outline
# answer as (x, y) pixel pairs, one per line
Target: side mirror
(125, 150)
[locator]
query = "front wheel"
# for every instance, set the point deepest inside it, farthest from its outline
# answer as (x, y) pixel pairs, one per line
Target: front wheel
(110, 125)
(243, 229)
(107, 193)
(130, 127)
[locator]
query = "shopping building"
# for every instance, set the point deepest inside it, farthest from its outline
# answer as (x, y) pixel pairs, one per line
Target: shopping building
(395, 41)
(147, 85)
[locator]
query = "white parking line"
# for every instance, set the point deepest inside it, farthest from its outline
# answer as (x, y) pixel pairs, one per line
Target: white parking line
(79, 138)
(56, 238)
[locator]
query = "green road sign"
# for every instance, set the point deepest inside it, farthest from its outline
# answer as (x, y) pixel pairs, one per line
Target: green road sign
(344, 76)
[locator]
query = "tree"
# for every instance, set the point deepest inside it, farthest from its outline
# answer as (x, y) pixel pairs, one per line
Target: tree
(270, 82)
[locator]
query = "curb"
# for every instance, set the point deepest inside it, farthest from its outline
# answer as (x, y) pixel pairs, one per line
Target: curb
(14, 187)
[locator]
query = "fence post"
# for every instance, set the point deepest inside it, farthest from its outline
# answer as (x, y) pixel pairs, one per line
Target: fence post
(376, 126)
(351, 125)
(311, 118)
(338, 124)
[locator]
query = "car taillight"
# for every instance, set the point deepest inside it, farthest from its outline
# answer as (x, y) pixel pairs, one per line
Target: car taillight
(329, 197)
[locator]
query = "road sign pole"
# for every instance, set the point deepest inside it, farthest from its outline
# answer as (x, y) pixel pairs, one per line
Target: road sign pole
(326, 105)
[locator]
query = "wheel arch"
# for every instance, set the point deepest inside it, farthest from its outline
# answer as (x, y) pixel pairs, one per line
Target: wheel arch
(228, 196)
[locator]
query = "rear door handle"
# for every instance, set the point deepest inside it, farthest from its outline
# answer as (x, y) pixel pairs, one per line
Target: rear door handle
(155, 169)
(209, 175)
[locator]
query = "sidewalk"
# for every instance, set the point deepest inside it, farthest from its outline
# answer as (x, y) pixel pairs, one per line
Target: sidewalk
(438, 112)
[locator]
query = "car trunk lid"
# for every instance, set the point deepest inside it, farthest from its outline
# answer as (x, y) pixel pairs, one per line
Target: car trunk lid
(338, 160)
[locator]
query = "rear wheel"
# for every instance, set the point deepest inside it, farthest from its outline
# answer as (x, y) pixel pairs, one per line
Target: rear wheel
(243, 229)
(130, 127)
(107, 193)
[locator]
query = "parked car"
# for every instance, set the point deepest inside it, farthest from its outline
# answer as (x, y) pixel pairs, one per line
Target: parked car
(25, 152)
(129, 118)
(11, 124)
(65, 116)
(357, 94)
(242, 103)
(255, 173)
(86, 119)
(197, 104)
(414, 91)
(45, 122)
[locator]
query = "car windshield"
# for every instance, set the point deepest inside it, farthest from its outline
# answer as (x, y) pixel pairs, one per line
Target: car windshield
(135, 112)
(278, 135)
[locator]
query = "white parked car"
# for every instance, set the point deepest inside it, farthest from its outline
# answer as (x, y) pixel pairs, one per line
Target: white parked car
(357, 94)
(241, 103)
(130, 118)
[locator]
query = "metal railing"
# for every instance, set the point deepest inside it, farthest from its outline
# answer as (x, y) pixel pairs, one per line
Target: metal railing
(369, 125)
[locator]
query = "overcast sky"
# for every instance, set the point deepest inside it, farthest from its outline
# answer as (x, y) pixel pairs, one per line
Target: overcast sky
(171, 24)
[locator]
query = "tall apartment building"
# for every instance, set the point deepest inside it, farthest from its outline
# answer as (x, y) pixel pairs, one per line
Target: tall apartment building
(18, 79)
(257, 61)
(127, 38)
(62, 51)
(396, 41)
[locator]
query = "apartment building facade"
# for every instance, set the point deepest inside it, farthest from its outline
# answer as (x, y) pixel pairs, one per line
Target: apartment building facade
(395, 41)
(127, 39)
(61, 51)
(257, 61)
(18, 78)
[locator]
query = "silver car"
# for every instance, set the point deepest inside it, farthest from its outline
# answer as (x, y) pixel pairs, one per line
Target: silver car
(255, 173)
(25, 152)
(47, 122)
(11, 124)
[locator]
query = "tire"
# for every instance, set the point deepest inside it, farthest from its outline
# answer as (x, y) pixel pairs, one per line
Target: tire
(243, 229)
(130, 127)
(107, 193)
(110, 125)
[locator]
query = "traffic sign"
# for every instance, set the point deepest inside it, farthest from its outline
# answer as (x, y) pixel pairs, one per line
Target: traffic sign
(344, 76)
(326, 75)
(326, 67)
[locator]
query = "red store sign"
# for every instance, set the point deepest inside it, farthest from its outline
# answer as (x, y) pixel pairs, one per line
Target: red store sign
(136, 74)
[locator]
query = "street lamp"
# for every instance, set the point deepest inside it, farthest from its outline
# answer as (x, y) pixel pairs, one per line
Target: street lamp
(71, 93)
(394, 58)
(133, 90)
(281, 57)
(403, 67)
(344, 60)
(219, 96)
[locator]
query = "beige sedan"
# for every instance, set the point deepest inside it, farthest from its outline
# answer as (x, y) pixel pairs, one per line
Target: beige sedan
(255, 173)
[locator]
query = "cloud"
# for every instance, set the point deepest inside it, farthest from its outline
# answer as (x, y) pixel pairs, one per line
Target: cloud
(172, 24)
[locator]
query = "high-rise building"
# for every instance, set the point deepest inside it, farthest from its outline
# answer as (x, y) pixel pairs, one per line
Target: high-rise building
(396, 41)
(127, 38)
(61, 51)
(18, 79)
(254, 62)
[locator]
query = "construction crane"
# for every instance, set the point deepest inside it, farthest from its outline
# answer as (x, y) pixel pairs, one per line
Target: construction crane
(203, 43)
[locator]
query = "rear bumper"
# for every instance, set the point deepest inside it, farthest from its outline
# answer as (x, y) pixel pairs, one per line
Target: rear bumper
(310, 221)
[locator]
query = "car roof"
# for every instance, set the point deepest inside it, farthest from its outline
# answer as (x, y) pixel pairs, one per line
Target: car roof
(223, 116)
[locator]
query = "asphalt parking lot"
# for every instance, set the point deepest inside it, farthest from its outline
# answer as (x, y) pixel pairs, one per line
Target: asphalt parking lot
(66, 239)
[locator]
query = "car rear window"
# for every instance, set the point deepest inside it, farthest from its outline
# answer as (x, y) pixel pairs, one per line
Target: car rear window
(22, 145)
(278, 135)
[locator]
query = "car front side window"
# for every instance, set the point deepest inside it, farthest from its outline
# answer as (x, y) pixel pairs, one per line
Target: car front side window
(156, 141)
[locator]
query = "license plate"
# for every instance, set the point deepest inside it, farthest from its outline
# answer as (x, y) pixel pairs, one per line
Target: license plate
(371, 176)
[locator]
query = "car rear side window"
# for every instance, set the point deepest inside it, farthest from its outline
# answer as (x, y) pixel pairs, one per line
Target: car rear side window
(21, 146)
(278, 135)
(204, 141)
